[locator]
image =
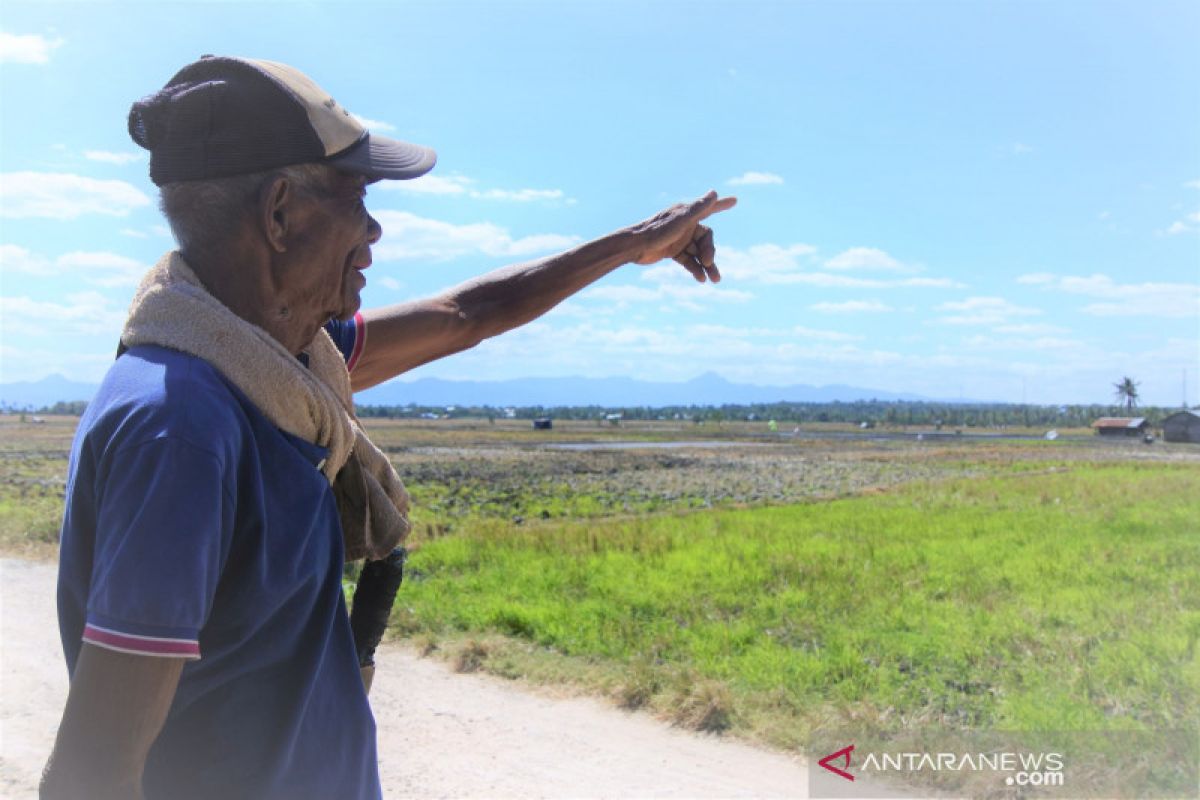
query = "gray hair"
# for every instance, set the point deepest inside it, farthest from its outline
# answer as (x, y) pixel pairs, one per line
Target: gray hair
(207, 213)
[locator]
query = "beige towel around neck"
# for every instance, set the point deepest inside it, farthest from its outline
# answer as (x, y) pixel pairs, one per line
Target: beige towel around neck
(174, 310)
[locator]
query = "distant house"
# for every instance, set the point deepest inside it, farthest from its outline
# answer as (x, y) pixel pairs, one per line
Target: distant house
(543, 424)
(614, 419)
(1182, 426)
(1121, 426)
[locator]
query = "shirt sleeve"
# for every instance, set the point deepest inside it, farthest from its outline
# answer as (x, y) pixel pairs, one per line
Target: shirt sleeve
(163, 529)
(349, 336)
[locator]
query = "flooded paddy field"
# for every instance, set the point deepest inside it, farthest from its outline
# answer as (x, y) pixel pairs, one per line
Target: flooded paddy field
(458, 470)
(464, 469)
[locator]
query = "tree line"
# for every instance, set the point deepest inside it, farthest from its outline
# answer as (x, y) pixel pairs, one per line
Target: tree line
(872, 412)
(876, 412)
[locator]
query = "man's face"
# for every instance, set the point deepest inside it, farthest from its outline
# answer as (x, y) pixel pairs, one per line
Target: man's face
(333, 246)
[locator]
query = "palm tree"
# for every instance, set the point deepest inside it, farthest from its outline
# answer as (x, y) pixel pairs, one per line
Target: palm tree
(1127, 392)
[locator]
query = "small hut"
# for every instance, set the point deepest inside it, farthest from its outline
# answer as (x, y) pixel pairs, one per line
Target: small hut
(1182, 426)
(1121, 426)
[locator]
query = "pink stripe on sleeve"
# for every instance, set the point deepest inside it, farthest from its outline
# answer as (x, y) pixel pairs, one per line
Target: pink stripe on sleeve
(360, 339)
(141, 645)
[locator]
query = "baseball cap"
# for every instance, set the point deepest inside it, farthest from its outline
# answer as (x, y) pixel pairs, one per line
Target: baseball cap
(223, 116)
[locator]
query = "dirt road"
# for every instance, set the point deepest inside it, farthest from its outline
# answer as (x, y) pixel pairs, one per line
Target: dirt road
(441, 734)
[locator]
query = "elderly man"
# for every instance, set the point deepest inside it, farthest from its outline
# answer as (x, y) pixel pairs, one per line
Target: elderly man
(219, 480)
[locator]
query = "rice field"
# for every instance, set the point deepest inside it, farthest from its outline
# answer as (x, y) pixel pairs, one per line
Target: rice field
(769, 584)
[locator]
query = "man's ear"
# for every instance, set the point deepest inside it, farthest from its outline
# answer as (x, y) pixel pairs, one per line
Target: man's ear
(275, 212)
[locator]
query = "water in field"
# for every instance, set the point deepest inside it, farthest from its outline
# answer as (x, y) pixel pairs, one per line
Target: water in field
(646, 445)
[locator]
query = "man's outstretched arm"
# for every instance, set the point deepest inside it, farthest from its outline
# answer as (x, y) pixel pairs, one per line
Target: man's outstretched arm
(115, 710)
(405, 336)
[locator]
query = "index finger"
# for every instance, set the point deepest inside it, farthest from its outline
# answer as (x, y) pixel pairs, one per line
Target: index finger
(712, 204)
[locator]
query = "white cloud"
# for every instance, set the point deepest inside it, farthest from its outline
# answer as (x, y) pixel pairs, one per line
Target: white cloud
(103, 269)
(825, 336)
(851, 307)
(1030, 329)
(1193, 184)
(374, 124)
(431, 184)
(134, 234)
(982, 303)
(824, 279)
(622, 294)
(1052, 343)
(1174, 307)
(462, 185)
(1019, 149)
(769, 263)
(683, 294)
(788, 264)
(519, 195)
(984, 311)
(776, 264)
(666, 272)
(407, 236)
(929, 283)
(865, 258)
(659, 353)
(1185, 225)
(391, 283)
(27, 49)
(755, 179)
(713, 332)
(1041, 343)
(25, 363)
(689, 291)
(1124, 300)
(57, 195)
(97, 268)
(85, 313)
(18, 259)
(108, 157)
(1037, 278)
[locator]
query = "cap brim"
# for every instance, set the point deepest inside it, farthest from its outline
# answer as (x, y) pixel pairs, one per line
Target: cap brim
(380, 158)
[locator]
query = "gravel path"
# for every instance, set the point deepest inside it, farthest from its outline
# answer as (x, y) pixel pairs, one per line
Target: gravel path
(441, 734)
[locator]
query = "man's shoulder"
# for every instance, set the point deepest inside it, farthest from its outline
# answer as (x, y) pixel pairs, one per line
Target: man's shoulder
(151, 392)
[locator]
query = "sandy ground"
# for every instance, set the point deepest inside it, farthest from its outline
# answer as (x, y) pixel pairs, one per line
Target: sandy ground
(441, 734)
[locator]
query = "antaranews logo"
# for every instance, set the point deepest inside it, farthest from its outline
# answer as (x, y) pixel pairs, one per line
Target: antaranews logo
(1018, 768)
(863, 763)
(843, 753)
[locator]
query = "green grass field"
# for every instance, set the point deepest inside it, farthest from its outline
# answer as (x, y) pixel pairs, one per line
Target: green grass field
(1052, 601)
(1059, 599)
(773, 590)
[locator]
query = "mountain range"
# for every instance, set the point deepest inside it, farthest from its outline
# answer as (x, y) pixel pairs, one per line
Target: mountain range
(708, 389)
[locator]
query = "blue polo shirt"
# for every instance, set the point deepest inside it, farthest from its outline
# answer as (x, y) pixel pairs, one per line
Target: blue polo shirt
(196, 529)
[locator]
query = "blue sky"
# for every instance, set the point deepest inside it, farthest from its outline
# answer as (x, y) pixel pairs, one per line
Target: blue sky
(978, 200)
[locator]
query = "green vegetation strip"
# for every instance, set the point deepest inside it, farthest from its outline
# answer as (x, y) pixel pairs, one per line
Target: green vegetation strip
(1066, 600)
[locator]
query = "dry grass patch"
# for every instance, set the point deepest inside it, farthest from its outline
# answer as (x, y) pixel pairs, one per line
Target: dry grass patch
(704, 705)
(471, 657)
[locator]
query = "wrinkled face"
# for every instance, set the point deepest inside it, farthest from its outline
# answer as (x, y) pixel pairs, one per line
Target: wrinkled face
(332, 245)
